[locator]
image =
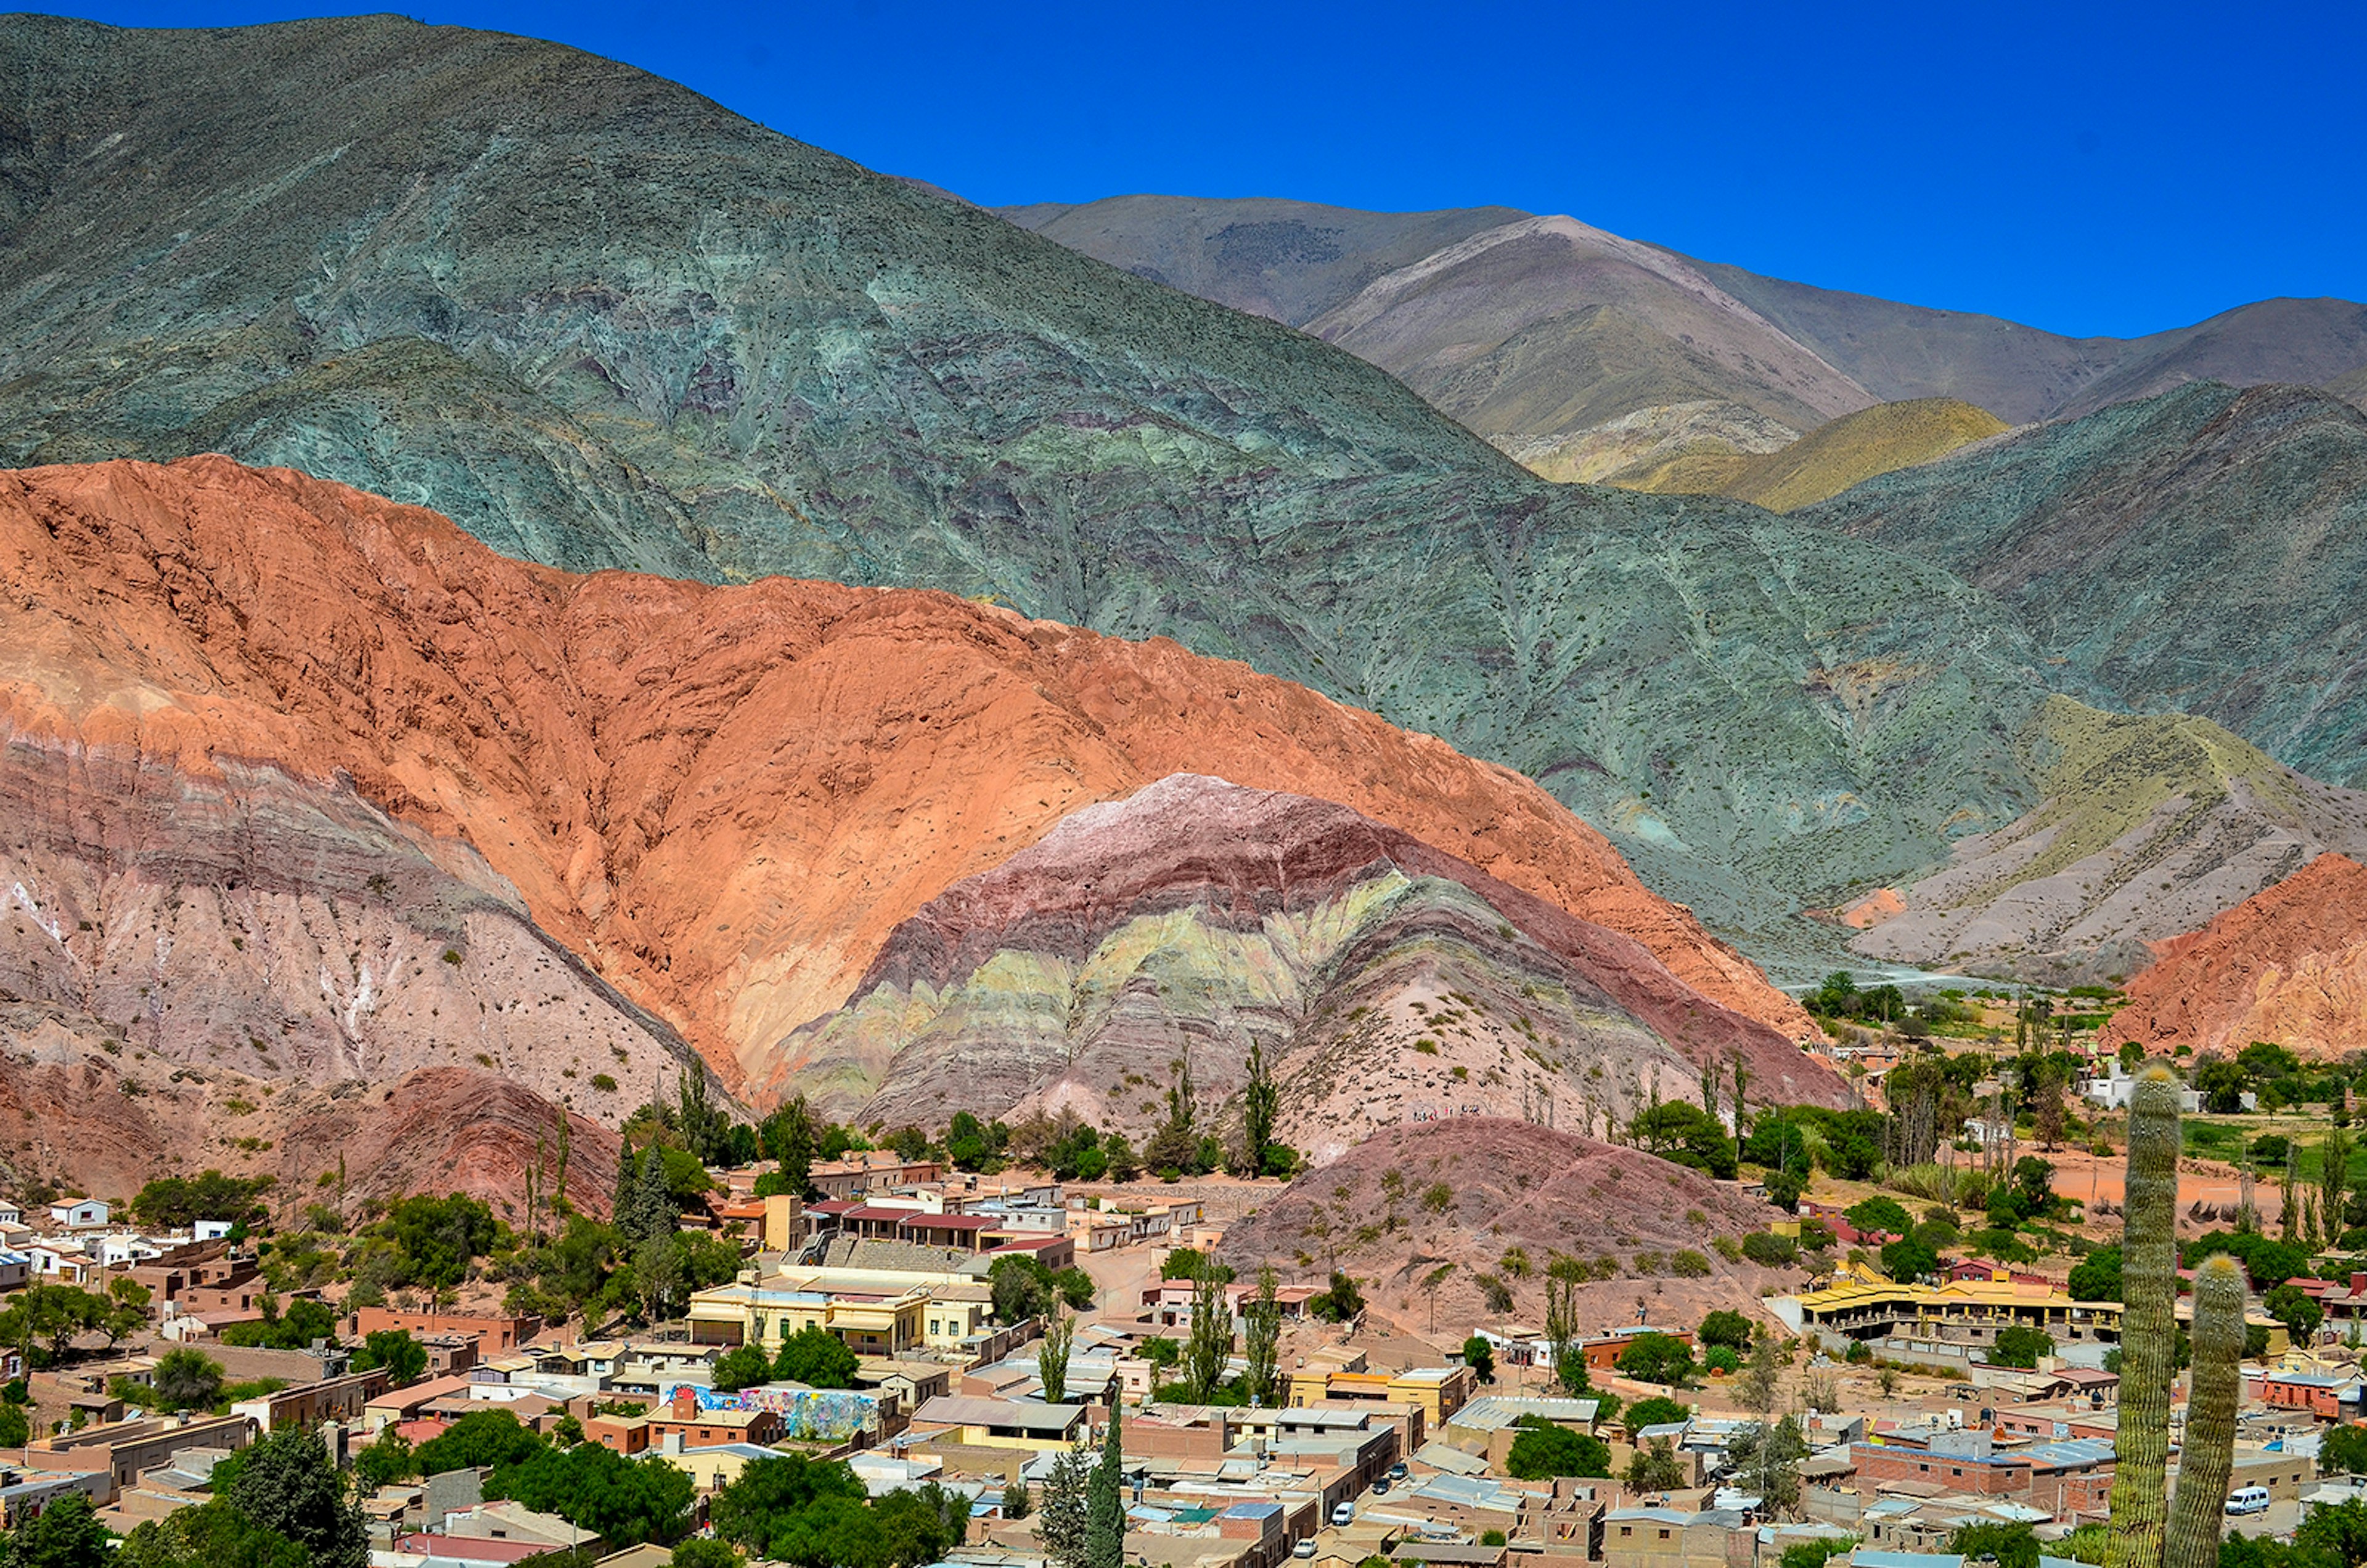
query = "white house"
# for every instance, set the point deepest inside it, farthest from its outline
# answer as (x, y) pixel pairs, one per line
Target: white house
(210, 1230)
(10, 1214)
(122, 1248)
(83, 1215)
(15, 1271)
(63, 1262)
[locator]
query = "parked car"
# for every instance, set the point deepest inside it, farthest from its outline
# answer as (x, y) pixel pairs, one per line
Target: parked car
(1344, 1514)
(1398, 1471)
(2249, 1500)
(1305, 1549)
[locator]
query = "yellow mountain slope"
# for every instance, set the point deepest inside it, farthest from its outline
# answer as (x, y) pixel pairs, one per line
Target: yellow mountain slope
(1826, 461)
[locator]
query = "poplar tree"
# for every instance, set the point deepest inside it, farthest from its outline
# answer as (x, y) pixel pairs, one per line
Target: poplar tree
(1210, 1339)
(1106, 1503)
(1261, 1343)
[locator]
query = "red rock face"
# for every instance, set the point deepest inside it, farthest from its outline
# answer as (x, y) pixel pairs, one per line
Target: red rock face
(722, 800)
(2288, 964)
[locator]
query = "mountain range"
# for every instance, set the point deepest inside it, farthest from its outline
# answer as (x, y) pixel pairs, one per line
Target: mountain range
(1544, 332)
(902, 655)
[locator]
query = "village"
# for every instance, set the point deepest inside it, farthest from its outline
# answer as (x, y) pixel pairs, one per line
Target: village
(981, 1334)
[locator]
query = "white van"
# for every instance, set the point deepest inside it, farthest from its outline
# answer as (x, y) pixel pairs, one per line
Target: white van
(2249, 1500)
(1344, 1513)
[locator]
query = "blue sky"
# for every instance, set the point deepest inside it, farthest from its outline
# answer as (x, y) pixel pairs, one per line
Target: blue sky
(2085, 169)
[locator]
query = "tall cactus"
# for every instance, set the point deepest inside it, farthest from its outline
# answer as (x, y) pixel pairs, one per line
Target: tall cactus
(2148, 1325)
(2208, 1454)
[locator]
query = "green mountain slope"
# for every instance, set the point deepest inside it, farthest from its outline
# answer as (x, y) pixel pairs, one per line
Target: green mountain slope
(2200, 551)
(601, 321)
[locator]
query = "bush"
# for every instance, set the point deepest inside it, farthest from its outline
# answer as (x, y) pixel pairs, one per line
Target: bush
(1687, 1264)
(1770, 1250)
(1722, 1359)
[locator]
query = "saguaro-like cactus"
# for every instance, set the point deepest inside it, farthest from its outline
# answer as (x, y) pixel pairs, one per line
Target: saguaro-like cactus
(2148, 1325)
(2209, 1452)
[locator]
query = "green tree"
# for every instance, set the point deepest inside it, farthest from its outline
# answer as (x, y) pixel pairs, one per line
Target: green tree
(177, 1203)
(2018, 1345)
(1481, 1357)
(127, 1310)
(1725, 1327)
(1262, 1344)
(1208, 1342)
(2297, 1310)
(1106, 1503)
(2097, 1276)
(1814, 1554)
(1052, 1356)
(1658, 1411)
(742, 1366)
(1658, 1358)
(2033, 1183)
(1880, 1213)
(186, 1380)
(1767, 1460)
(2342, 1451)
(389, 1459)
(1062, 1526)
(817, 1358)
(1341, 1301)
(625, 1502)
(1656, 1468)
(16, 1431)
(405, 1358)
(751, 1510)
(66, 1534)
(705, 1552)
(491, 1438)
(1907, 1260)
(2013, 1546)
(211, 1535)
(1541, 1451)
(289, 1483)
(439, 1237)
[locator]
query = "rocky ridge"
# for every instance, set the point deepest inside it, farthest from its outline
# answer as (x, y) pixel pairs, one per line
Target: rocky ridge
(722, 800)
(2150, 827)
(2289, 964)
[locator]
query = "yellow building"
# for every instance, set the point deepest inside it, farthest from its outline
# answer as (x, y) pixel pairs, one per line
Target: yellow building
(1946, 1323)
(1438, 1392)
(872, 1323)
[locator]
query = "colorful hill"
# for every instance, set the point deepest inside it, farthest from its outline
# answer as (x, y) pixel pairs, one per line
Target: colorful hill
(1197, 920)
(332, 777)
(2289, 964)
